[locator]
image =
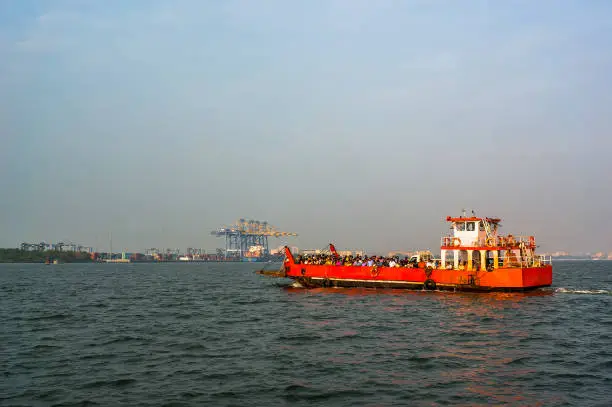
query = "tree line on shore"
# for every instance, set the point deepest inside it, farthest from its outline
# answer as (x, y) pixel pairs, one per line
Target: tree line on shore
(27, 256)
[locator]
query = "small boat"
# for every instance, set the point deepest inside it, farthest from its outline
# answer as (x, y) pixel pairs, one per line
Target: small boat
(271, 273)
(475, 256)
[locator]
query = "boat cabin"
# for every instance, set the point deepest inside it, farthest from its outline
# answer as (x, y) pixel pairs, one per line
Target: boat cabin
(475, 244)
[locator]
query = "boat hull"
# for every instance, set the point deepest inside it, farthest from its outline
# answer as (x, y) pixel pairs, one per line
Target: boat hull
(501, 279)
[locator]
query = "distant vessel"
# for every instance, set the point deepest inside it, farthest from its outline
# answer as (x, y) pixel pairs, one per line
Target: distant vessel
(123, 258)
(474, 257)
(118, 260)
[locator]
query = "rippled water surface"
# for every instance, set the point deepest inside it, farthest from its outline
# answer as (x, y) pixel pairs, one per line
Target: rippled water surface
(218, 334)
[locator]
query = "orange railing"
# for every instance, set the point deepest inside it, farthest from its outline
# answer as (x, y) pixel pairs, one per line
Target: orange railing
(507, 241)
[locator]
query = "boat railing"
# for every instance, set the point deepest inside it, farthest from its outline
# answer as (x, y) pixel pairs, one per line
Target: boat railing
(544, 259)
(525, 261)
(503, 262)
(493, 241)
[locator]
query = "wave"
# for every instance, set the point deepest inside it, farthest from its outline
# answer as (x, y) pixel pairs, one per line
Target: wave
(563, 290)
(123, 338)
(299, 337)
(77, 403)
(109, 383)
(48, 317)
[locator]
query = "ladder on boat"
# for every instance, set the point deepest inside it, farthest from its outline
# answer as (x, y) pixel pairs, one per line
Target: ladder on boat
(487, 227)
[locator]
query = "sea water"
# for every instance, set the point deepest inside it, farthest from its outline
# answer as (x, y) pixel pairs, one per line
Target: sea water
(194, 334)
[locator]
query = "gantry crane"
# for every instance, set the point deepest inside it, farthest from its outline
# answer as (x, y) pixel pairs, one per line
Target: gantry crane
(246, 234)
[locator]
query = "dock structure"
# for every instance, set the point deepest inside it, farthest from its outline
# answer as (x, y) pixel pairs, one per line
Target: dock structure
(247, 240)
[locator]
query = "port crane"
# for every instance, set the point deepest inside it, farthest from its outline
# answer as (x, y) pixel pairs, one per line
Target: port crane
(245, 234)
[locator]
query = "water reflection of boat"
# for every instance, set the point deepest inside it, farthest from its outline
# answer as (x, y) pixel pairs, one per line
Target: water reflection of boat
(474, 257)
(464, 297)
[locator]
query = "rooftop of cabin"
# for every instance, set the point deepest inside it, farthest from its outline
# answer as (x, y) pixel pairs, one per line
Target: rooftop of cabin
(472, 219)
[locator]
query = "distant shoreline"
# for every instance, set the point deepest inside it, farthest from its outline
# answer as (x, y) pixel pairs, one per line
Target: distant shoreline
(81, 261)
(10, 255)
(143, 262)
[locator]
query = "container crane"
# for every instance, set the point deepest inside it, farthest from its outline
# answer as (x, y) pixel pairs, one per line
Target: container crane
(248, 239)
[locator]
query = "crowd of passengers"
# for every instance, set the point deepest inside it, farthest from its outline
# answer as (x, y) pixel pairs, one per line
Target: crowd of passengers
(367, 261)
(380, 261)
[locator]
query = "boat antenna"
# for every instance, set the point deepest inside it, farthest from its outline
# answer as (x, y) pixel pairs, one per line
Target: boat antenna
(473, 214)
(463, 210)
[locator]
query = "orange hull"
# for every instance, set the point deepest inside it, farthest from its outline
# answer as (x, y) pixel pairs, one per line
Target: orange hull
(501, 279)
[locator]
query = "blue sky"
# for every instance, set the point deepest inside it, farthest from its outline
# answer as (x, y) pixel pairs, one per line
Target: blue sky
(359, 122)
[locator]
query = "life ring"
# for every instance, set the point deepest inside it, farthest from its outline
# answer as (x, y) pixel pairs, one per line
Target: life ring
(489, 242)
(456, 241)
(429, 284)
(375, 271)
(532, 242)
(447, 241)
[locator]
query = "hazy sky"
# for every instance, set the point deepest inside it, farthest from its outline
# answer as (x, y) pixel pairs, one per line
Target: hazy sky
(360, 122)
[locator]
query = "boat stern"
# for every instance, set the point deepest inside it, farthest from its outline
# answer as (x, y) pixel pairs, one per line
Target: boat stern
(534, 277)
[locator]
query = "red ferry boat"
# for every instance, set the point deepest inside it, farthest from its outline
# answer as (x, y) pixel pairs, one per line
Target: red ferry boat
(473, 257)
